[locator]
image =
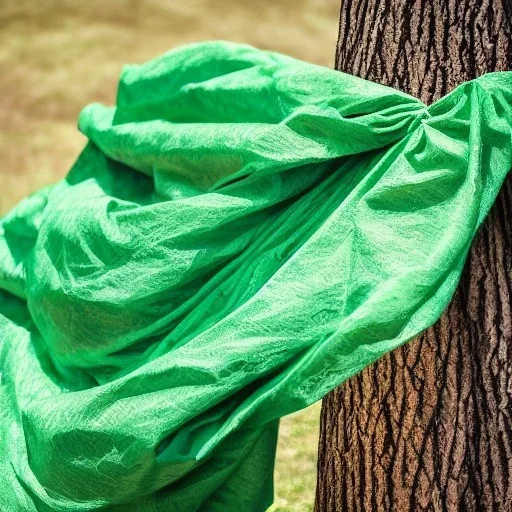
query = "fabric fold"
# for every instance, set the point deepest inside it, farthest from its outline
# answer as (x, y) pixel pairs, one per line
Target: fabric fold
(243, 232)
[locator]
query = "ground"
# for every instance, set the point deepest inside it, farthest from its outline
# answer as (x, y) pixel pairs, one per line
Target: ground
(58, 55)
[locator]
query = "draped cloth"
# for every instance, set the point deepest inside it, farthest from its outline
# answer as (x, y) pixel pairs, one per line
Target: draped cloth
(242, 232)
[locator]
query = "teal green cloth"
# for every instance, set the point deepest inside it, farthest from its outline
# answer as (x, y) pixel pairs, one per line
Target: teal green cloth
(243, 232)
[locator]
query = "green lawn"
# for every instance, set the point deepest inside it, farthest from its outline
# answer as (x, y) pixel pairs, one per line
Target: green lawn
(295, 472)
(58, 55)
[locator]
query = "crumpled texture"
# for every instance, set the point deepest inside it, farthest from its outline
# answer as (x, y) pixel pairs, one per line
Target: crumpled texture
(243, 232)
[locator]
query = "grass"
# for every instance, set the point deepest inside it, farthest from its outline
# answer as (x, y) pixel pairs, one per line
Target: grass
(58, 55)
(295, 471)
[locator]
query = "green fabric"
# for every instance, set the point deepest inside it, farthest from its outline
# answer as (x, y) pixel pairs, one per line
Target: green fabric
(243, 232)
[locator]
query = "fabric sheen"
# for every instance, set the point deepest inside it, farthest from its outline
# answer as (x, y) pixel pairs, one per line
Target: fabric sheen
(243, 232)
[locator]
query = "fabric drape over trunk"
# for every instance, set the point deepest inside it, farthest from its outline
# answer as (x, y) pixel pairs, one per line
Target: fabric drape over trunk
(243, 232)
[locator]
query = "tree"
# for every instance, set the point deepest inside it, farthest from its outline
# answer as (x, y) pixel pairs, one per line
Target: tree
(429, 427)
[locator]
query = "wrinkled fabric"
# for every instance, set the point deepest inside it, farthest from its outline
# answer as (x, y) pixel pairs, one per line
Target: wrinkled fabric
(243, 232)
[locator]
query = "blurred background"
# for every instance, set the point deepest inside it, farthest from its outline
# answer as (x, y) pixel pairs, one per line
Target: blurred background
(58, 55)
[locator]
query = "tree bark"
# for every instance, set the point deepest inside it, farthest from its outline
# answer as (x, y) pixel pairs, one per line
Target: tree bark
(429, 427)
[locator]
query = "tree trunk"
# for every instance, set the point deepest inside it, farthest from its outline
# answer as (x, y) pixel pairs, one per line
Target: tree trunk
(429, 427)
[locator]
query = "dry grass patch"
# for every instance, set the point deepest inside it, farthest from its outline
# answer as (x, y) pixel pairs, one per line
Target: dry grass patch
(58, 55)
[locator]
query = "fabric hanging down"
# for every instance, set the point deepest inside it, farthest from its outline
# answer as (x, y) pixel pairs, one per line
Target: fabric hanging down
(242, 232)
